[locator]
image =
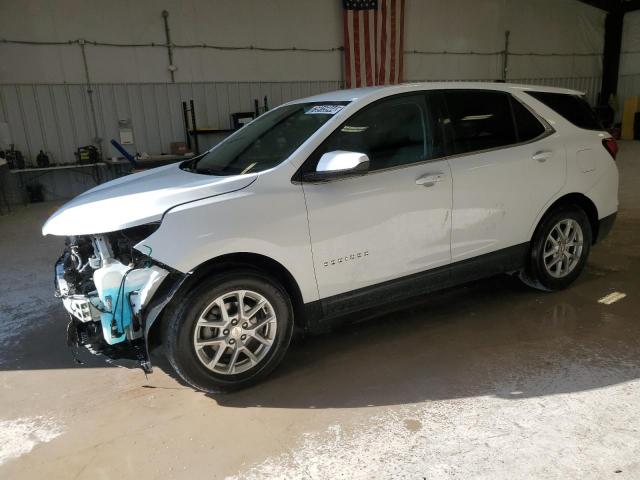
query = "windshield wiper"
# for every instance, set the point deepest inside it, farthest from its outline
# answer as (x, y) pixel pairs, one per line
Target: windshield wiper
(210, 171)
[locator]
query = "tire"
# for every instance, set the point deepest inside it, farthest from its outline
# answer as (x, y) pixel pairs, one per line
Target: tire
(541, 272)
(198, 317)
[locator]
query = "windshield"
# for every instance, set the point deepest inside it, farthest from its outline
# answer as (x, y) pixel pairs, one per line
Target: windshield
(265, 142)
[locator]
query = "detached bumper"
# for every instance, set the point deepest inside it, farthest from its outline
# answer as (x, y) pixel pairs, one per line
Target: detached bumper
(131, 354)
(122, 337)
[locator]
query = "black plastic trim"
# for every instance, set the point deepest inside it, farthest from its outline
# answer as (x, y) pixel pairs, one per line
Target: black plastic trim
(324, 313)
(605, 224)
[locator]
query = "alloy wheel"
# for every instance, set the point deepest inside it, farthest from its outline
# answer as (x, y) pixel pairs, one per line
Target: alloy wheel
(563, 248)
(235, 332)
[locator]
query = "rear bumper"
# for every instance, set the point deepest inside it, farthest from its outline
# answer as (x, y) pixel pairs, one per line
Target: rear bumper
(605, 224)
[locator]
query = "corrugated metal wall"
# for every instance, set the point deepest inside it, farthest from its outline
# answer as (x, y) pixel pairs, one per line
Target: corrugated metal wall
(57, 118)
(56, 184)
(628, 85)
(589, 85)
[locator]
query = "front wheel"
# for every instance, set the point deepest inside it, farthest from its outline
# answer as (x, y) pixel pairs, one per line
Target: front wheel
(559, 249)
(229, 332)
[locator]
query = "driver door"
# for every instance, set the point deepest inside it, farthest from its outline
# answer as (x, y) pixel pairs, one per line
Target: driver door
(390, 223)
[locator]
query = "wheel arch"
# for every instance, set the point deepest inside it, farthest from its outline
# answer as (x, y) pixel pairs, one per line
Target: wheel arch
(582, 201)
(237, 261)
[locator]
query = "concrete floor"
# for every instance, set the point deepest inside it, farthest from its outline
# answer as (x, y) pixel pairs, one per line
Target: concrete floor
(492, 380)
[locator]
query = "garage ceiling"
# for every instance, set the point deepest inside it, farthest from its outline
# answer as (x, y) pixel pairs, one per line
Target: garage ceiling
(614, 5)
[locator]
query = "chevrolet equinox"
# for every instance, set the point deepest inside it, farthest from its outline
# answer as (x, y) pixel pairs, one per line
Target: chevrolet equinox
(329, 205)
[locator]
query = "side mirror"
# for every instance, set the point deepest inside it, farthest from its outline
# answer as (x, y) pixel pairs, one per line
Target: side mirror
(338, 164)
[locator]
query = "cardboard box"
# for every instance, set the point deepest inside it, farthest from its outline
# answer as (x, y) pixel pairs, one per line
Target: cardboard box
(631, 106)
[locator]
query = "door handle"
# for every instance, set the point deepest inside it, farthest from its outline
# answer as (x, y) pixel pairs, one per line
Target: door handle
(429, 179)
(542, 155)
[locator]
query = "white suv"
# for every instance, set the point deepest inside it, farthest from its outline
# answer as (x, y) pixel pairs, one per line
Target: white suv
(329, 205)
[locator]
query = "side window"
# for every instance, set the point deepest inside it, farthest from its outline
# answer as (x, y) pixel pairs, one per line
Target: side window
(480, 119)
(527, 125)
(391, 132)
(572, 107)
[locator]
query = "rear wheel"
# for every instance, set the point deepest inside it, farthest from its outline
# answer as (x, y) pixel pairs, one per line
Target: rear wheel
(559, 249)
(229, 332)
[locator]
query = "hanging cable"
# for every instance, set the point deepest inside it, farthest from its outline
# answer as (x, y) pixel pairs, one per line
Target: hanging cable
(171, 45)
(285, 49)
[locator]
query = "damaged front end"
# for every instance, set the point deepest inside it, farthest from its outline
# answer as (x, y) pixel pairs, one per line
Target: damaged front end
(113, 292)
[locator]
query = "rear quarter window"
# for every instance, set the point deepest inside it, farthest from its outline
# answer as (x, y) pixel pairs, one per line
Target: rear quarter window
(573, 108)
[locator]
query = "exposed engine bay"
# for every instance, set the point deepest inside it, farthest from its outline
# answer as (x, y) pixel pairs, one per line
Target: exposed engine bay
(106, 286)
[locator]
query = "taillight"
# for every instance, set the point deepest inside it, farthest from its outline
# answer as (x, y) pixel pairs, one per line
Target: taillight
(611, 146)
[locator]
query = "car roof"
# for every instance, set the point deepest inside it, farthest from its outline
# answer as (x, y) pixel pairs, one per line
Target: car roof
(350, 95)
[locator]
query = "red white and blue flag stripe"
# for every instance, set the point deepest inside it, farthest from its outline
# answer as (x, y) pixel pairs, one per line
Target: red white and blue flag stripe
(373, 42)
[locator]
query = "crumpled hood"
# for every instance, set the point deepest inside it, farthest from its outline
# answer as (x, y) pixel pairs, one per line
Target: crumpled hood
(137, 199)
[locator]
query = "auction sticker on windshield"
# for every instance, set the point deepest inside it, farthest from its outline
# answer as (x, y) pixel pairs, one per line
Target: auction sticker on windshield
(325, 109)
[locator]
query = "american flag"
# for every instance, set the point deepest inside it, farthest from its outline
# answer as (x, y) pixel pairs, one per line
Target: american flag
(373, 33)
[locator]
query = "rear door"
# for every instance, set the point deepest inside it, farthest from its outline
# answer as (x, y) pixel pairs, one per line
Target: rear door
(506, 166)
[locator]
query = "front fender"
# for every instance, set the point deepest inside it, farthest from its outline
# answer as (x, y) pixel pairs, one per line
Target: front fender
(270, 223)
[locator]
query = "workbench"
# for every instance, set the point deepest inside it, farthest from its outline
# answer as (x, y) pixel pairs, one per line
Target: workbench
(91, 169)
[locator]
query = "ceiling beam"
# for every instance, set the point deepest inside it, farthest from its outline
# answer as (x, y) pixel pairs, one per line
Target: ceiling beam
(631, 5)
(611, 55)
(606, 5)
(611, 5)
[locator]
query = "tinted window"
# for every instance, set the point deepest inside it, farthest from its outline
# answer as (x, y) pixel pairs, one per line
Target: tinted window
(572, 107)
(480, 120)
(391, 132)
(266, 142)
(528, 126)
